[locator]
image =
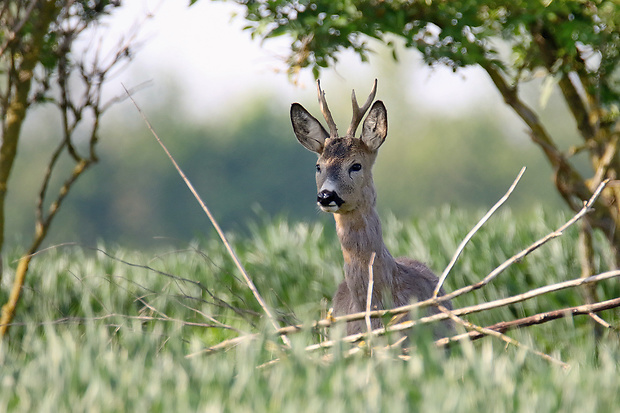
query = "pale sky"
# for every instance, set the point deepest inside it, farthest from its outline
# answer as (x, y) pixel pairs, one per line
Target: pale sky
(216, 64)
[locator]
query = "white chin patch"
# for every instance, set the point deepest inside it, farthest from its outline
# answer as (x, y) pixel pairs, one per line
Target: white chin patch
(330, 208)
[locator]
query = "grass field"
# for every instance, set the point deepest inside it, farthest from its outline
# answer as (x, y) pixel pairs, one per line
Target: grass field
(107, 329)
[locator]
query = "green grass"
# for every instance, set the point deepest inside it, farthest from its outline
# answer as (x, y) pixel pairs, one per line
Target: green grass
(77, 345)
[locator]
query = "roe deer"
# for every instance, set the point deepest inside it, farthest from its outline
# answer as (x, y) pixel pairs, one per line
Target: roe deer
(346, 189)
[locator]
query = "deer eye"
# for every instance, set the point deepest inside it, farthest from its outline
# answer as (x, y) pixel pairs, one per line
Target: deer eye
(355, 167)
(318, 168)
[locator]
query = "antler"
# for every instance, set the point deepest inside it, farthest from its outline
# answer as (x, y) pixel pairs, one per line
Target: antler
(333, 129)
(358, 113)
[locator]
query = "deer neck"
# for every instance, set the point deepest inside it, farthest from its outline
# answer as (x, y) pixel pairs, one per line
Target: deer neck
(360, 235)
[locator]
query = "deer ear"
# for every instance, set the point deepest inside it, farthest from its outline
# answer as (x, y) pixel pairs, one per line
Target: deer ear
(308, 130)
(374, 130)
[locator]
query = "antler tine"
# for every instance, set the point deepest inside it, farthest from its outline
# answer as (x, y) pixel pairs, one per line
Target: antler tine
(333, 129)
(358, 113)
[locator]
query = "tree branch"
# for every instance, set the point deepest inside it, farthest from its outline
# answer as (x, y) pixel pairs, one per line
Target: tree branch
(435, 301)
(471, 233)
(504, 326)
(46, 17)
(406, 325)
(486, 331)
(568, 181)
(12, 34)
(18, 102)
(548, 51)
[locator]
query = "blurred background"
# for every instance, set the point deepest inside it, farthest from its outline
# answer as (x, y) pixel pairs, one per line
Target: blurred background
(220, 101)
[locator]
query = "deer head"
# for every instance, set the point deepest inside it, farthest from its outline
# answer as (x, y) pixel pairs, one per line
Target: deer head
(343, 171)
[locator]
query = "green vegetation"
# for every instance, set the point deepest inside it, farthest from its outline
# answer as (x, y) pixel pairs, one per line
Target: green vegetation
(78, 345)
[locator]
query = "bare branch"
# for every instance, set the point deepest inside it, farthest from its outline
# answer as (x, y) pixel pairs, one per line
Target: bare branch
(46, 180)
(471, 233)
(605, 161)
(549, 53)
(12, 35)
(568, 181)
(436, 301)
(584, 210)
(600, 321)
(501, 336)
(493, 274)
(406, 325)
(224, 345)
(587, 309)
(144, 318)
(371, 283)
(217, 227)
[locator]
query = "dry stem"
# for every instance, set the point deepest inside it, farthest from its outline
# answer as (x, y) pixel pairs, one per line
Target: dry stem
(541, 318)
(371, 283)
(475, 229)
(406, 325)
(217, 227)
(501, 336)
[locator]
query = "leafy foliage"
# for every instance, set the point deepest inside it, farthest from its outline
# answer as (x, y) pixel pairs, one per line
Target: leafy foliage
(456, 33)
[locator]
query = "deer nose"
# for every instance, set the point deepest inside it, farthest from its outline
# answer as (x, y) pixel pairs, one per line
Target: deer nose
(328, 198)
(325, 197)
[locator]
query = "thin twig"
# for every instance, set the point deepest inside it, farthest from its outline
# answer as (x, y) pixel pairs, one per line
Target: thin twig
(216, 300)
(471, 233)
(516, 298)
(503, 337)
(600, 321)
(371, 283)
(144, 318)
(224, 345)
(541, 318)
(587, 206)
(12, 34)
(217, 227)
(406, 325)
